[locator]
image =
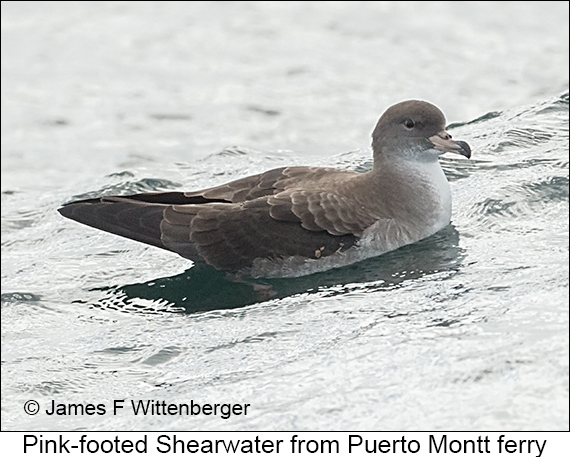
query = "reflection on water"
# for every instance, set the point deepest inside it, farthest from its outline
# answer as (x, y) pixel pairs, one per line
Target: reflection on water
(206, 289)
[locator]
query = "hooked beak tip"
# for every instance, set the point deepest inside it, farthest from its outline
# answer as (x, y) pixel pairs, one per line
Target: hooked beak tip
(465, 149)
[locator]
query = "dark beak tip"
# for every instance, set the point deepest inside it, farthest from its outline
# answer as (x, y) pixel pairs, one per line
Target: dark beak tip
(466, 150)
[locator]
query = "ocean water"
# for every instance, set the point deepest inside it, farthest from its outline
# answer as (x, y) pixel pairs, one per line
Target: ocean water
(465, 330)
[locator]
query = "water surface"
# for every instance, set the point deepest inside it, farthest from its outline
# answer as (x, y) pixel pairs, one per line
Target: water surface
(467, 329)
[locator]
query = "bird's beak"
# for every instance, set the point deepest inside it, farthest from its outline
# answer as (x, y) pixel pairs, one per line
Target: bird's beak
(442, 142)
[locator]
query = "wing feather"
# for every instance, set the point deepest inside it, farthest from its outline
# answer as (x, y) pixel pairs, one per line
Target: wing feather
(293, 211)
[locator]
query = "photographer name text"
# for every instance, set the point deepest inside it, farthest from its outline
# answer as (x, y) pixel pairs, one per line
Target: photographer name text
(149, 408)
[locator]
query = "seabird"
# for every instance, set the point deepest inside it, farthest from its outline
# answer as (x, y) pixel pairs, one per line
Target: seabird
(293, 221)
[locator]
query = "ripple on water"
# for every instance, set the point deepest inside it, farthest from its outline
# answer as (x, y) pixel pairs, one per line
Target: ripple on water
(20, 297)
(466, 314)
(128, 187)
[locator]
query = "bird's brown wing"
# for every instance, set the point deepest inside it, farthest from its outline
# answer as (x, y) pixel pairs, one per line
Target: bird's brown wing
(231, 236)
(284, 212)
(269, 183)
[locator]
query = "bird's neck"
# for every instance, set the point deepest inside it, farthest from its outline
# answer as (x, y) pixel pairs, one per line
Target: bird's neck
(415, 193)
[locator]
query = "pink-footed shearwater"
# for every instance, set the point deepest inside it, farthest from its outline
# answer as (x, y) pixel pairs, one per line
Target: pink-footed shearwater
(293, 221)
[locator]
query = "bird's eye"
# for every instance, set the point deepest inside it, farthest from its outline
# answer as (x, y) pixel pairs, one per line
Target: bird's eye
(409, 124)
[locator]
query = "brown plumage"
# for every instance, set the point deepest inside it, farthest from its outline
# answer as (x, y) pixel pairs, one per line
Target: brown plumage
(299, 213)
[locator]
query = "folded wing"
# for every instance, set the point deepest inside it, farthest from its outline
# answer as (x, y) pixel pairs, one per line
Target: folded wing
(284, 212)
